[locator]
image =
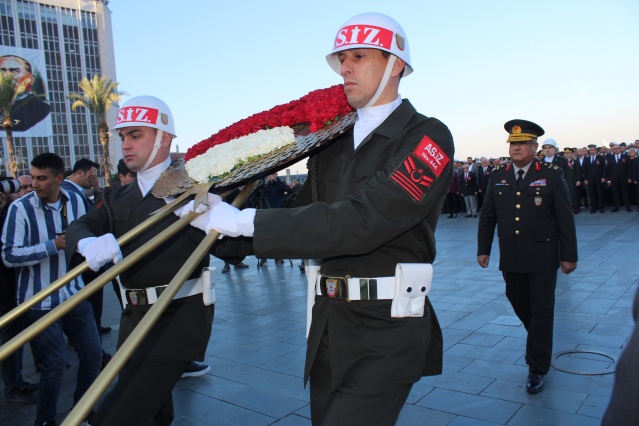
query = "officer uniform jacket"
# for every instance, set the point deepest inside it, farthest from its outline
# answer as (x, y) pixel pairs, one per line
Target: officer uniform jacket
(377, 206)
(183, 330)
(535, 224)
(562, 163)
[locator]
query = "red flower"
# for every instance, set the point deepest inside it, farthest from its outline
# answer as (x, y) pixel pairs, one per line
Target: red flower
(317, 109)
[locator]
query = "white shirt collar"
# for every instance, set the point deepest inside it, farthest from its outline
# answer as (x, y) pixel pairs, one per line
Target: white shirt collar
(147, 178)
(368, 119)
(525, 169)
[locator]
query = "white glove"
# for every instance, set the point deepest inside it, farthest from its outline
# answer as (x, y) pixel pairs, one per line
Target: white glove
(99, 251)
(200, 221)
(230, 221)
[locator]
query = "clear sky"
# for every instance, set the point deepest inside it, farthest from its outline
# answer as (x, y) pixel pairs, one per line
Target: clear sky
(572, 66)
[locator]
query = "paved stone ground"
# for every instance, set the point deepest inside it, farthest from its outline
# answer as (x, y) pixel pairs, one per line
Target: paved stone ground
(257, 348)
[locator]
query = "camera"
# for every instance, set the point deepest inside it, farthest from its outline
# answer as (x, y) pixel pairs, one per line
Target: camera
(10, 186)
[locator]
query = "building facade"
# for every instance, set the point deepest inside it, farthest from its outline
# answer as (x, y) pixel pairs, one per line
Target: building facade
(63, 42)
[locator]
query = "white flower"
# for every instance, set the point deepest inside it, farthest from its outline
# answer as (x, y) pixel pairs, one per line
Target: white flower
(222, 158)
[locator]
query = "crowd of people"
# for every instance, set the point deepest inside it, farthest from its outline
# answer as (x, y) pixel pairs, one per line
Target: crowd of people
(597, 178)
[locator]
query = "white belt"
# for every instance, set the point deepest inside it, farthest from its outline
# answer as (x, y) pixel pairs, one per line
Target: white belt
(150, 295)
(353, 288)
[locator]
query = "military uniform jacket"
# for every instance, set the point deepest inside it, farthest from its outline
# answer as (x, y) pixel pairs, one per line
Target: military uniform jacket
(377, 206)
(535, 224)
(562, 163)
(184, 329)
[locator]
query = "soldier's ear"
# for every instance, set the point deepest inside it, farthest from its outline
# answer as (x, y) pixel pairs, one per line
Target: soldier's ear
(166, 139)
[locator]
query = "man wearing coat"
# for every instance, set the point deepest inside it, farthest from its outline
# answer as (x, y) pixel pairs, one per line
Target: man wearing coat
(373, 198)
(468, 189)
(483, 175)
(619, 177)
(528, 202)
(574, 168)
(594, 174)
(142, 394)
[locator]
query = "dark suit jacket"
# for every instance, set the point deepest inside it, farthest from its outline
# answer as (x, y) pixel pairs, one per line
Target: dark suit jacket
(535, 224)
(635, 169)
(618, 170)
(468, 185)
(575, 172)
(27, 112)
(483, 177)
(594, 171)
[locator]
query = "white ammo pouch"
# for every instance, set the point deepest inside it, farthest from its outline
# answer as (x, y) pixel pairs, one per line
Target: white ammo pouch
(208, 286)
(412, 284)
(147, 296)
(312, 268)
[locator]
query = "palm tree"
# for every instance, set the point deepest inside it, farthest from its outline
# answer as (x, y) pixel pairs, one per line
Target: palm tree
(99, 94)
(9, 91)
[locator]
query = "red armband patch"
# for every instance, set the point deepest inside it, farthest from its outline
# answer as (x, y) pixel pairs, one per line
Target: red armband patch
(432, 155)
(411, 178)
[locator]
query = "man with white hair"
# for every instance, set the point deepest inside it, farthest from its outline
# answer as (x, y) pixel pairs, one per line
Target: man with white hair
(483, 176)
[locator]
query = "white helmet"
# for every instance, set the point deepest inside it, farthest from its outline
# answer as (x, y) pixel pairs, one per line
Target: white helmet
(371, 31)
(145, 111)
(550, 142)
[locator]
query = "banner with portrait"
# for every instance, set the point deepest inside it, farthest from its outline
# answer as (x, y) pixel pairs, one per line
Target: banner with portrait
(30, 111)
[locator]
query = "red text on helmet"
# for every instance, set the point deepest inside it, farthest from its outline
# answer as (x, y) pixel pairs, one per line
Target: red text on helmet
(136, 114)
(366, 35)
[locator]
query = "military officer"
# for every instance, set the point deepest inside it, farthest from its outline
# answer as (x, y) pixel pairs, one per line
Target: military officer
(142, 394)
(373, 198)
(528, 201)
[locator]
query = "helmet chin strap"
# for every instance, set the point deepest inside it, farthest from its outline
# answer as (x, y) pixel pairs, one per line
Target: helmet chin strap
(382, 84)
(156, 146)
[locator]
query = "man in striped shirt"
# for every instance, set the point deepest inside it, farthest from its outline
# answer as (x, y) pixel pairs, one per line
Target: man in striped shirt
(33, 241)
